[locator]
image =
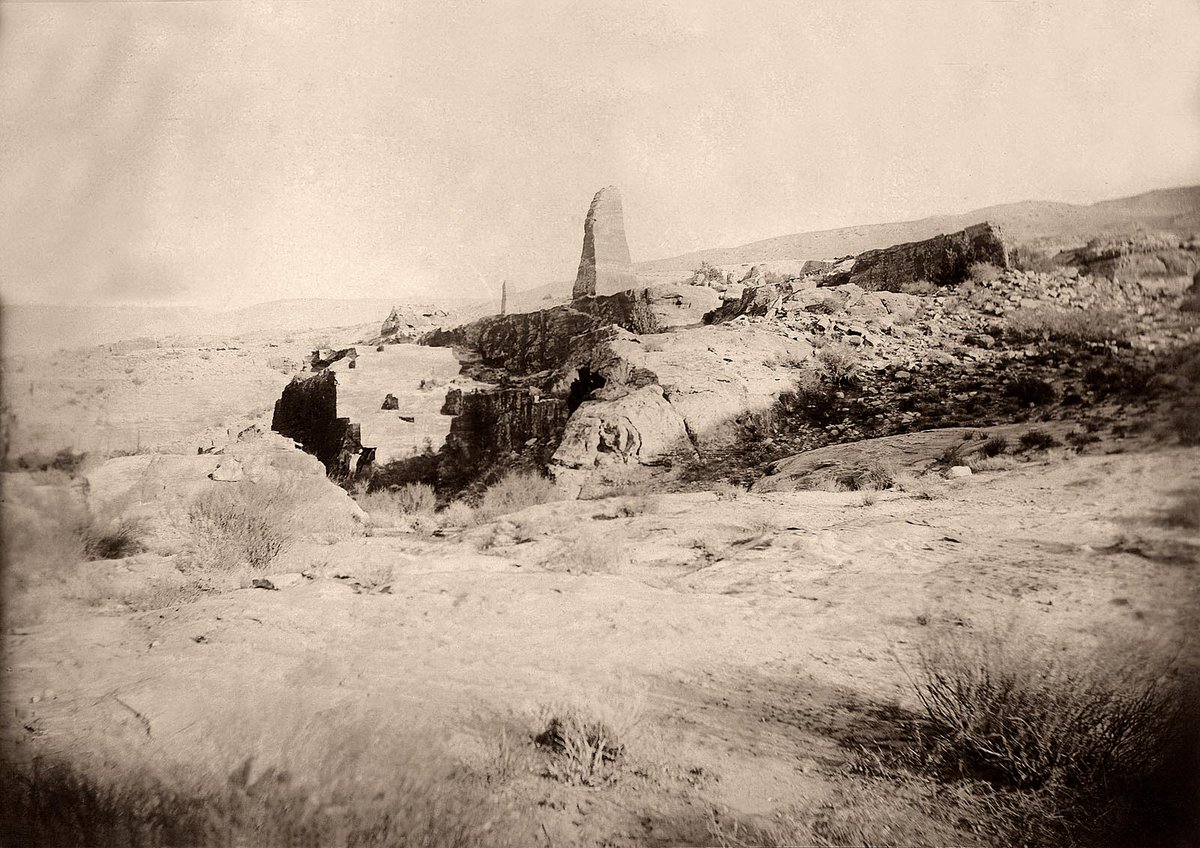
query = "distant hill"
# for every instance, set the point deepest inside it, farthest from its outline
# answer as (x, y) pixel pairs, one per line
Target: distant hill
(37, 327)
(1029, 222)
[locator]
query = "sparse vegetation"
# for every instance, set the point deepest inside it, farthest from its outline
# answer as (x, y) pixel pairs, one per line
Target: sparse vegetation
(1030, 391)
(513, 492)
(994, 446)
(588, 743)
(1185, 512)
(54, 803)
(390, 506)
(1071, 326)
(984, 272)
(242, 524)
(1059, 743)
(1187, 426)
(1190, 303)
(1038, 440)
(841, 365)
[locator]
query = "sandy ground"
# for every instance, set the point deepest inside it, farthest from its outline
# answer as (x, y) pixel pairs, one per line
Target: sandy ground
(753, 631)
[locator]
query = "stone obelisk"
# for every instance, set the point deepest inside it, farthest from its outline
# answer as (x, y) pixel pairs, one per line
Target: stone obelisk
(605, 266)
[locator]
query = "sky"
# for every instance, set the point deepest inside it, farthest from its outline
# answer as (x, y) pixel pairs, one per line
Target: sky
(226, 152)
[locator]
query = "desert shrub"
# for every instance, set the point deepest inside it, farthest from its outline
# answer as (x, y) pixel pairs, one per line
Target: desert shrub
(401, 501)
(841, 365)
(1116, 378)
(113, 538)
(1062, 743)
(588, 743)
(1072, 326)
(457, 514)
(870, 476)
(513, 492)
(1190, 303)
(708, 273)
(1028, 259)
(55, 803)
(994, 446)
(1038, 440)
(983, 272)
(1185, 512)
(920, 288)
(1187, 426)
(242, 524)
(1030, 391)
(593, 556)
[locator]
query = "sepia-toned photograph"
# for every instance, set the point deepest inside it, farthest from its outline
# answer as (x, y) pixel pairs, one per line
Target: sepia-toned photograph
(548, 424)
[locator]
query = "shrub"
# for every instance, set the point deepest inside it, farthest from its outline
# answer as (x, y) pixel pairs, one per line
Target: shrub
(1191, 303)
(401, 501)
(1030, 391)
(708, 273)
(242, 524)
(1075, 326)
(1185, 512)
(1028, 259)
(55, 803)
(110, 539)
(1038, 440)
(994, 446)
(841, 365)
(1187, 426)
(588, 743)
(1070, 740)
(872, 475)
(513, 492)
(983, 272)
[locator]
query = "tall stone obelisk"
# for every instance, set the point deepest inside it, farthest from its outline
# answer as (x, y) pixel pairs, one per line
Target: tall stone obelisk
(605, 266)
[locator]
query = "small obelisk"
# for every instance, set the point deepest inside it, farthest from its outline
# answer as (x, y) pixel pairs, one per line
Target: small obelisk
(504, 297)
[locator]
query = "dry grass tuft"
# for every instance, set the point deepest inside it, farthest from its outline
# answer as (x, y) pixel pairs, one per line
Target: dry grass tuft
(242, 525)
(391, 507)
(513, 492)
(589, 743)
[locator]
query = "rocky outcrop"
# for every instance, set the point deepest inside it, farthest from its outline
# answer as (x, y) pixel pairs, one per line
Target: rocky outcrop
(761, 300)
(391, 325)
(390, 402)
(639, 427)
(524, 343)
(307, 413)
(943, 260)
(604, 266)
(491, 424)
(1141, 256)
(323, 357)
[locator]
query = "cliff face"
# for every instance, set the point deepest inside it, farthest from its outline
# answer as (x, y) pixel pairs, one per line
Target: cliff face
(943, 260)
(492, 425)
(307, 413)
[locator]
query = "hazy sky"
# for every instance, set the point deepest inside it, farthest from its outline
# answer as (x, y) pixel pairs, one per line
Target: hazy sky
(230, 151)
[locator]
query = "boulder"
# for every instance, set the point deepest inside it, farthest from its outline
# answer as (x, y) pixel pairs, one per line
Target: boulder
(638, 427)
(943, 260)
(761, 300)
(604, 266)
(390, 401)
(157, 490)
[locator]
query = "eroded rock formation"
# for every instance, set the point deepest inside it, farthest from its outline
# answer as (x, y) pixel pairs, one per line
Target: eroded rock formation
(307, 413)
(942, 260)
(604, 266)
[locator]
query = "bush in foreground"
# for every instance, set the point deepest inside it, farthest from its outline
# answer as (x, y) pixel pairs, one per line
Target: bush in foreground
(63, 805)
(1065, 747)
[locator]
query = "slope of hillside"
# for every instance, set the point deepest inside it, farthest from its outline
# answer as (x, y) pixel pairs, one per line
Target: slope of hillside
(1058, 224)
